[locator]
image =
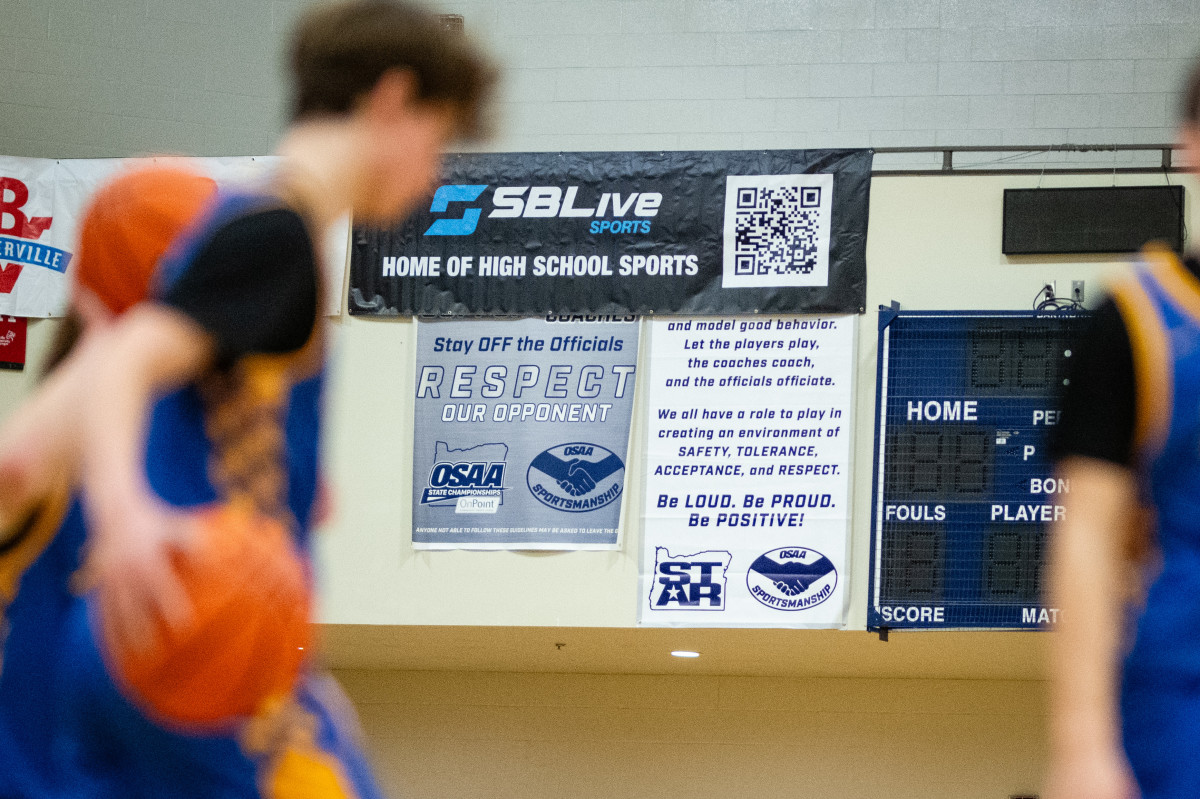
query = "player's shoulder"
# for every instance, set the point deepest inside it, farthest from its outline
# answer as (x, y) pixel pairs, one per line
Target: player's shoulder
(267, 225)
(239, 225)
(249, 217)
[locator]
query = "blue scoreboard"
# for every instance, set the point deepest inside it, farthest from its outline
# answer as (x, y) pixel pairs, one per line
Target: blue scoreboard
(963, 490)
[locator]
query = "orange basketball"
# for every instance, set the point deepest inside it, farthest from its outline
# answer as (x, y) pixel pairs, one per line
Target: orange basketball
(130, 223)
(246, 637)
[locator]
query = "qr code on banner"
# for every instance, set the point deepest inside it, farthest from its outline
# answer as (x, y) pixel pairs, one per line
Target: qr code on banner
(777, 230)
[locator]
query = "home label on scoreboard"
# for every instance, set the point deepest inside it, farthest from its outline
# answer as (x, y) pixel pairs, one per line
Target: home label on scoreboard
(963, 489)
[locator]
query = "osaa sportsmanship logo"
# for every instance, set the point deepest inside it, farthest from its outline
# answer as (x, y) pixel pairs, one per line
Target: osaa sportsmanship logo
(576, 477)
(791, 578)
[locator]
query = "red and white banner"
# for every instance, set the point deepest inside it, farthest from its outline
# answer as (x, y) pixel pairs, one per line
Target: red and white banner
(42, 200)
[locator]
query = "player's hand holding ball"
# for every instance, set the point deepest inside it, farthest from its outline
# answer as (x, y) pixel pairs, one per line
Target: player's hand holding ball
(202, 616)
(129, 563)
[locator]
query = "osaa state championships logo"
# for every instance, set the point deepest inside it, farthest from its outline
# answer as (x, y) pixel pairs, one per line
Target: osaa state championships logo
(470, 480)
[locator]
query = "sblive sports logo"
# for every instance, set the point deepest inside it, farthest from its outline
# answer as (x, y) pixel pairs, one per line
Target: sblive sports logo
(608, 212)
(689, 582)
(19, 233)
(469, 480)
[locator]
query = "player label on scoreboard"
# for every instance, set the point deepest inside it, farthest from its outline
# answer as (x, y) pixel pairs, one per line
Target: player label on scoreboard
(747, 499)
(963, 488)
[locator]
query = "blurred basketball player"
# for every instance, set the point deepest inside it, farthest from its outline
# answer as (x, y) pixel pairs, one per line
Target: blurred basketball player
(210, 393)
(1126, 661)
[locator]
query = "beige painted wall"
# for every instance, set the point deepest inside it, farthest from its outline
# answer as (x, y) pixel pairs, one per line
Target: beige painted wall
(448, 735)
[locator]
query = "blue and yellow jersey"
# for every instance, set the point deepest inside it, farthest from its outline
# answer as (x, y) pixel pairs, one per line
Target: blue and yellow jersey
(247, 432)
(1159, 305)
(251, 429)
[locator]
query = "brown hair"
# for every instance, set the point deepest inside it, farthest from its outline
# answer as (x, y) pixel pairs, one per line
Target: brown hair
(339, 52)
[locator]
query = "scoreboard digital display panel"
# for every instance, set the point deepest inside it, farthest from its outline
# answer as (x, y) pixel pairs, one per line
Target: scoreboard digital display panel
(963, 490)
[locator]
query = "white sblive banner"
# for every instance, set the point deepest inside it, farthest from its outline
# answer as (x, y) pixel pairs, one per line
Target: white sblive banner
(43, 199)
(747, 505)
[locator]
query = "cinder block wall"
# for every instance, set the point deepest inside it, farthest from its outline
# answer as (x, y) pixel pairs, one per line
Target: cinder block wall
(89, 78)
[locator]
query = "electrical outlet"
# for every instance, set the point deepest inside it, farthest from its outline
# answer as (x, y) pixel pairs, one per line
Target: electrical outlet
(1077, 290)
(1051, 289)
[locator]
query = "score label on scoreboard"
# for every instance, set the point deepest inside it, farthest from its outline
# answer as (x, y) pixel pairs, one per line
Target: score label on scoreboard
(963, 490)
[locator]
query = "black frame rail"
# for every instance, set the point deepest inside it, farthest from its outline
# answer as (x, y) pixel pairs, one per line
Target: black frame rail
(1166, 163)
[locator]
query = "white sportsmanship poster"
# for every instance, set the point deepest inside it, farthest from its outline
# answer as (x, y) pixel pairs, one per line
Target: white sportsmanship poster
(747, 502)
(42, 201)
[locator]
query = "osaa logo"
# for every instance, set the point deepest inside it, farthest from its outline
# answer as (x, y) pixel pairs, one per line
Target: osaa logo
(576, 477)
(791, 578)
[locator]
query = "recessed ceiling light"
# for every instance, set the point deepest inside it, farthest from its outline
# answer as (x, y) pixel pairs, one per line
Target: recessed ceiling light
(683, 653)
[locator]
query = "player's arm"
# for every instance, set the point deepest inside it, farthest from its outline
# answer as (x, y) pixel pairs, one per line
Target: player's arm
(39, 441)
(1088, 583)
(250, 289)
(1088, 566)
(147, 353)
(151, 350)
